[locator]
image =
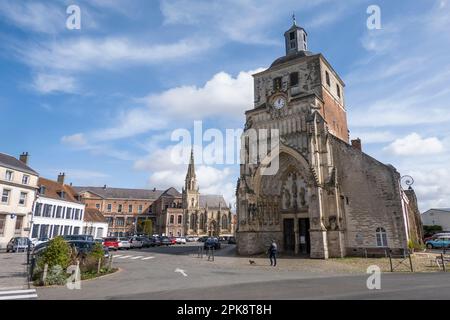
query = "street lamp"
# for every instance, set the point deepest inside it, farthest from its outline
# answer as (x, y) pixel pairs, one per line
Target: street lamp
(408, 180)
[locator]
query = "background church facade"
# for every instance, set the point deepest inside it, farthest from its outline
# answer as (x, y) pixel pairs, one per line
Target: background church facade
(205, 215)
(328, 198)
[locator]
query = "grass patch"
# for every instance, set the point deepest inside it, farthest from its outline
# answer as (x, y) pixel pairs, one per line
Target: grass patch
(93, 274)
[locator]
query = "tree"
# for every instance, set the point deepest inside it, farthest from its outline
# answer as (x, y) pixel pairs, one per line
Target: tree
(148, 227)
(58, 253)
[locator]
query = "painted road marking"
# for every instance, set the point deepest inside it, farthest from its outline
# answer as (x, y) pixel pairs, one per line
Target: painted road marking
(124, 257)
(148, 258)
(137, 257)
(18, 294)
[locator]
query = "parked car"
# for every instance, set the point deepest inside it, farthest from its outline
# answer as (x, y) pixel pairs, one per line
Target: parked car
(156, 241)
(85, 247)
(180, 240)
(173, 240)
(202, 239)
(82, 237)
(212, 243)
(111, 243)
(191, 238)
(37, 241)
(439, 242)
(99, 240)
(165, 241)
(231, 240)
(136, 242)
(124, 243)
(17, 244)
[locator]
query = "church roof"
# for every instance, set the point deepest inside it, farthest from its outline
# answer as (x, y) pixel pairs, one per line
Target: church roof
(291, 57)
(172, 192)
(121, 193)
(212, 201)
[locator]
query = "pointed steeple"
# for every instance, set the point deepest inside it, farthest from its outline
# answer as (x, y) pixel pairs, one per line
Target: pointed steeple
(191, 167)
(191, 181)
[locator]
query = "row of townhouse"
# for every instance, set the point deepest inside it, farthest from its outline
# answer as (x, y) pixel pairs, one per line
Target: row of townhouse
(35, 207)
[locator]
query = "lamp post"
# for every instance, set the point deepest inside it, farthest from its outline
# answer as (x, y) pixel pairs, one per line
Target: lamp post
(408, 180)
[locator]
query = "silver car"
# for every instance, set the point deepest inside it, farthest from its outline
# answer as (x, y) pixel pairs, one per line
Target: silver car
(124, 243)
(17, 244)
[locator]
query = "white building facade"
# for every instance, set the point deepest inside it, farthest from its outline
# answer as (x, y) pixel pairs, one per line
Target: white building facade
(95, 223)
(437, 217)
(18, 185)
(57, 210)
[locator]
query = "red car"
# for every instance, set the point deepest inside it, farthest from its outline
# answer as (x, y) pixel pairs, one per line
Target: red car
(111, 243)
(173, 240)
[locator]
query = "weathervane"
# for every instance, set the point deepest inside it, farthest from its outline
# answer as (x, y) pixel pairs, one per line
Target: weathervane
(293, 19)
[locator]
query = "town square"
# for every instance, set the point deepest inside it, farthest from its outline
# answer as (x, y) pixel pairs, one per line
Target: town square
(224, 150)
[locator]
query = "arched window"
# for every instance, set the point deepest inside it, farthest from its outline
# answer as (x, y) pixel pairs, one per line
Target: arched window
(381, 237)
(202, 221)
(172, 219)
(192, 202)
(224, 222)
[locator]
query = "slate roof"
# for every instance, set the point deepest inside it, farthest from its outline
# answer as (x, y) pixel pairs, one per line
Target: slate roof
(53, 190)
(13, 163)
(93, 215)
(446, 210)
(213, 201)
(291, 57)
(172, 192)
(121, 193)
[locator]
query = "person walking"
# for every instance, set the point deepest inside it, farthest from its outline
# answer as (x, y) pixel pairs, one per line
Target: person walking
(273, 253)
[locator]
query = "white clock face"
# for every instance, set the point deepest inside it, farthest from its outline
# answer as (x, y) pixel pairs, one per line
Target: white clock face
(279, 102)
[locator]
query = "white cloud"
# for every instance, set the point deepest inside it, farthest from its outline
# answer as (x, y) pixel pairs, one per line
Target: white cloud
(369, 137)
(87, 54)
(414, 144)
(210, 180)
(246, 21)
(223, 95)
(75, 140)
(34, 16)
(52, 83)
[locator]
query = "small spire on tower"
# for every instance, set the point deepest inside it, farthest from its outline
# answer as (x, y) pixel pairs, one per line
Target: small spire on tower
(294, 21)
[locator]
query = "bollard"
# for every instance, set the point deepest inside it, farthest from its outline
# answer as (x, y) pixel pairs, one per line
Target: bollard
(410, 263)
(44, 274)
(443, 263)
(390, 262)
(99, 264)
(110, 262)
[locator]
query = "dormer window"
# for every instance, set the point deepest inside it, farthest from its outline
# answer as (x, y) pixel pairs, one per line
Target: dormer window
(42, 190)
(62, 194)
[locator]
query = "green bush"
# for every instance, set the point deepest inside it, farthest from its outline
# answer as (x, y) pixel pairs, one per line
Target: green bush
(58, 253)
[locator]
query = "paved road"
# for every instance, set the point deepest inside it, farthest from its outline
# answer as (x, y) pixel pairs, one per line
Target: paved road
(157, 273)
(13, 277)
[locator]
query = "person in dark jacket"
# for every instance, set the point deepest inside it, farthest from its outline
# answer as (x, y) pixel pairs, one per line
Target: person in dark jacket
(273, 253)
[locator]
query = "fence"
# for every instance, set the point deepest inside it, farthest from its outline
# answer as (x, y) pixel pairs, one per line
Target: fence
(402, 260)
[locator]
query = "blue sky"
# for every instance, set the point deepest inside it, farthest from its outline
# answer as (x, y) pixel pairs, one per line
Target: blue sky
(100, 103)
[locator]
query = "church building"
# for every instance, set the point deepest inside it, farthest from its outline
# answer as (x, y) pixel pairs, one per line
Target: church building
(328, 198)
(205, 215)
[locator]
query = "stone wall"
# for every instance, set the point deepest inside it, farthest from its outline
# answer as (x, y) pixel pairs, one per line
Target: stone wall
(372, 198)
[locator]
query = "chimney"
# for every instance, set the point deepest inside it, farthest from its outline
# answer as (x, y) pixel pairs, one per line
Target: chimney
(154, 189)
(61, 178)
(24, 157)
(104, 187)
(357, 144)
